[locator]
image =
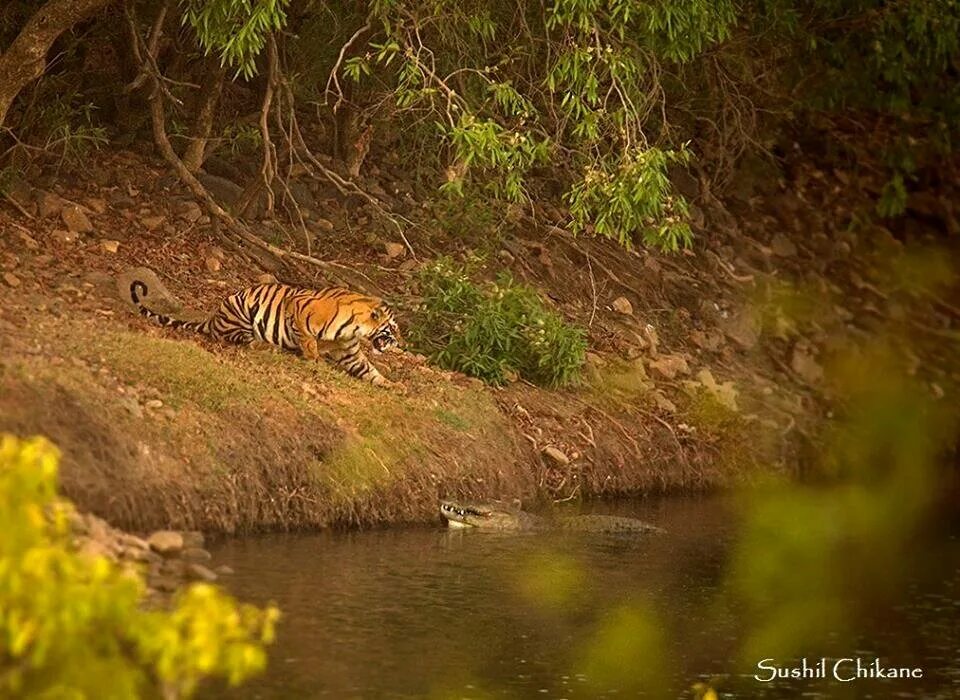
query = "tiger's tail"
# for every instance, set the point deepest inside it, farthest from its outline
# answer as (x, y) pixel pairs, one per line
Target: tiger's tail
(138, 289)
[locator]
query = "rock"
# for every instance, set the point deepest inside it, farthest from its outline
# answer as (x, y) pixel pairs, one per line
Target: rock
(11, 279)
(164, 584)
(223, 190)
(96, 205)
(190, 211)
(64, 237)
(94, 548)
(267, 278)
(49, 204)
(302, 195)
(725, 394)
(154, 403)
(742, 328)
(195, 554)
(137, 554)
(29, 242)
(506, 257)
(805, 365)
(555, 455)
(133, 541)
(663, 403)
(213, 264)
(193, 539)
(394, 250)
(132, 405)
(152, 223)
(166, 542)
(783, 246)
(322, 224)
(110, 246)
(224, 570)
(623, 306)
(75, 219)
(669, 366)
(706, 341)
(653, 339)
(201, 573)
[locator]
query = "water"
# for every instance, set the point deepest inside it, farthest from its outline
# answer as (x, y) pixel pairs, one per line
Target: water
(430, 612)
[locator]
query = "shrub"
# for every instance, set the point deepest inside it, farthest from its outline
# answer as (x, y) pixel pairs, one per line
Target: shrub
(494, 330)
(75, 625)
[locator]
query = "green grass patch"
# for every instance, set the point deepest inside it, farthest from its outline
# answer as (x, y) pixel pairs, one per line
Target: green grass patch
(452, 419)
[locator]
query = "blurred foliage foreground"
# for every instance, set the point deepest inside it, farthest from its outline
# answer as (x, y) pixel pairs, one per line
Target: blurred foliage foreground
(76, 626)
(823, 566)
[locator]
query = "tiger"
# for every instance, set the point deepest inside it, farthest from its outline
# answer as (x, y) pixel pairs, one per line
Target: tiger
(328, 322)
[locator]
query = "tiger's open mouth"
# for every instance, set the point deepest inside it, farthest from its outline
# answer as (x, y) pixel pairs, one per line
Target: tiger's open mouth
(382, 340)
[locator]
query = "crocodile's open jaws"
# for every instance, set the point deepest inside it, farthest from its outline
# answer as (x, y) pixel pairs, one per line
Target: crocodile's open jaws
(498, 515)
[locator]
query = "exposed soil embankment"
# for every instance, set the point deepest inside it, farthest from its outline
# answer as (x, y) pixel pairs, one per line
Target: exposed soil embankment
(700, 370)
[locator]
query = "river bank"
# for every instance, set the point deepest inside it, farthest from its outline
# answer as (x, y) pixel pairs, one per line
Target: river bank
(704, 368)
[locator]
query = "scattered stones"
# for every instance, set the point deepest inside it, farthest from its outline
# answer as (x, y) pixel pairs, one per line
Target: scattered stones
(394, 250)
(663, 403)
(555, 455)
(321, 224)
(96, 205)
(742, 328)
(783, 246)
(49, 204)
(709, 340)
(805, 365)
(29, 242)
(201, 573)
(190, 211)
(623, 306)
(213, 264)
(224, 570)
(152, 223)
(64, 237)
(154, 403)
(110, 246)
(193, 539)
(669, 366)
(725, 393)
(11, 279)
(76, 219)
(166, 542)
(195, 555)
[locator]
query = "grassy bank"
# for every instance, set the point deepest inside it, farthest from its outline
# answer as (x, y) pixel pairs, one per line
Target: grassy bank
(165, 432)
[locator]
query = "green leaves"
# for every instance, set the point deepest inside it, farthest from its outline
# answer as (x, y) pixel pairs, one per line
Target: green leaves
(237, 30)
(494, 331)
(76, 625)
(621, 200)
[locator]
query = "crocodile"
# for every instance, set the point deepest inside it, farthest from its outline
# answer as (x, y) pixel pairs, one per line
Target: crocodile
(498, 515)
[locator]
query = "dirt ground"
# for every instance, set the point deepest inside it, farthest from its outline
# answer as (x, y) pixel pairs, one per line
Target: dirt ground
(705, 368)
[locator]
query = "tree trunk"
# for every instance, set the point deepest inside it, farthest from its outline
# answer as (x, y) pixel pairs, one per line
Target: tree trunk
(26, 58)
(210, 87)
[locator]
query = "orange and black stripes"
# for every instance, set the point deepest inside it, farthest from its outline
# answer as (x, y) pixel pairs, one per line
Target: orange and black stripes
(328, 322)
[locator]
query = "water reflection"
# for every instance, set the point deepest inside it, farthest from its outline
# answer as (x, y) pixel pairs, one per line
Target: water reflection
(454, 614)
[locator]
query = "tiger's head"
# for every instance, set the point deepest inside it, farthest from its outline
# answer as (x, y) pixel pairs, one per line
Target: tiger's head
(385, 332)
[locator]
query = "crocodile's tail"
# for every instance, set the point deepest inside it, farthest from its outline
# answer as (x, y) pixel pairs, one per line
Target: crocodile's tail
(138, 290)
(609, 524)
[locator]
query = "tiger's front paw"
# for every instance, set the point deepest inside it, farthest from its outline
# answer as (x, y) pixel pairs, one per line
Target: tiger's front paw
(385, 383)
